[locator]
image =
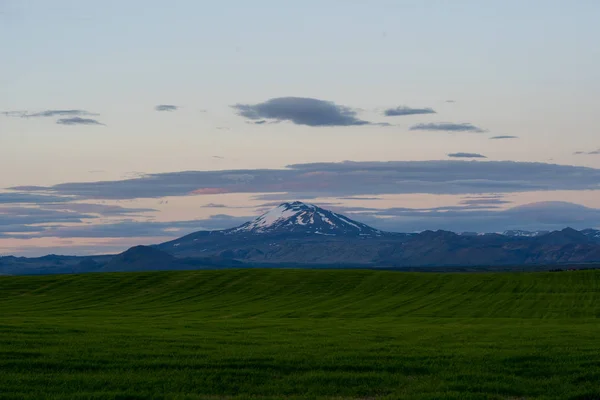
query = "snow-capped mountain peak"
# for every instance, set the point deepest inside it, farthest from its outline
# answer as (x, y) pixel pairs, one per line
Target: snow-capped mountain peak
(298, 217)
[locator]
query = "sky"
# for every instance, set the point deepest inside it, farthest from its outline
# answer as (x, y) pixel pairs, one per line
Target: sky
(133, 122)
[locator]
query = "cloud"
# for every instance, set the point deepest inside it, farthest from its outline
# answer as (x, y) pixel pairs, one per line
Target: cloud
(466, 155)
(305, 181)
(360, 198)
(29, 198)
(589, 153)
(124, 229)
(48, 113)
(203, 191)
(105, 210)
(504, 137)
(13, 113)
(351, 178)
(78, 121)
(403, 110)
(166, 107)
(447, 127)
(534, 216)
(25, 216)
(59, 113)
(214, 205)
(484, 201)
(32, 215)
(301, 111)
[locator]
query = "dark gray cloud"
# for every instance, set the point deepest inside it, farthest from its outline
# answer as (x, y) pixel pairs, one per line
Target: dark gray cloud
(403, 110)
(166, 107)
(466, 155)
(447, 127)
(589, 153)
(504, 137)
(78, 121)
(301, 111)
(306, 181)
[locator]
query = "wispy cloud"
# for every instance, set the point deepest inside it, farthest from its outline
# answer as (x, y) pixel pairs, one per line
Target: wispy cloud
(504, 137)
(78, 121)
(214, 205)
(19, 215)
(466, 155)
(166, 107)
(590, 153)
(484, 201)
(403, 110)
(48, 113)
(300, 111)
(60, 113)
(447, 127)
(31, 198)
(13, 113)
(123, 229)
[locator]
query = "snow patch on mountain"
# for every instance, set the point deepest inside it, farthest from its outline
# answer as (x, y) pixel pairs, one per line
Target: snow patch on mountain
(521, 233)
(298, 217)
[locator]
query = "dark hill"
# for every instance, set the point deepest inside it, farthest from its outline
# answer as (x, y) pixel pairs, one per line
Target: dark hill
(142, 258)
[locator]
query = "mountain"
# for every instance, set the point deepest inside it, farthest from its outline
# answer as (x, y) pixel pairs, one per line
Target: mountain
(300, 218)
(142, 258)
(290, 232)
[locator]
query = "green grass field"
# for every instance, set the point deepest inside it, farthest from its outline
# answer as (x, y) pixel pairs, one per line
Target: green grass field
(285, 334)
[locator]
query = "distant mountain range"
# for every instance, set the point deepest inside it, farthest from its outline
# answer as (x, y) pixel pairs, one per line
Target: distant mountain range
(304, 235)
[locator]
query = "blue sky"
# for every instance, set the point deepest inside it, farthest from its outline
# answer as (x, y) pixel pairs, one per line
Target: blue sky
(507, 68)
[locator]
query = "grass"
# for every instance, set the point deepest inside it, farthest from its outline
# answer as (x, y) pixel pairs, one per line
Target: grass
(287, 334)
